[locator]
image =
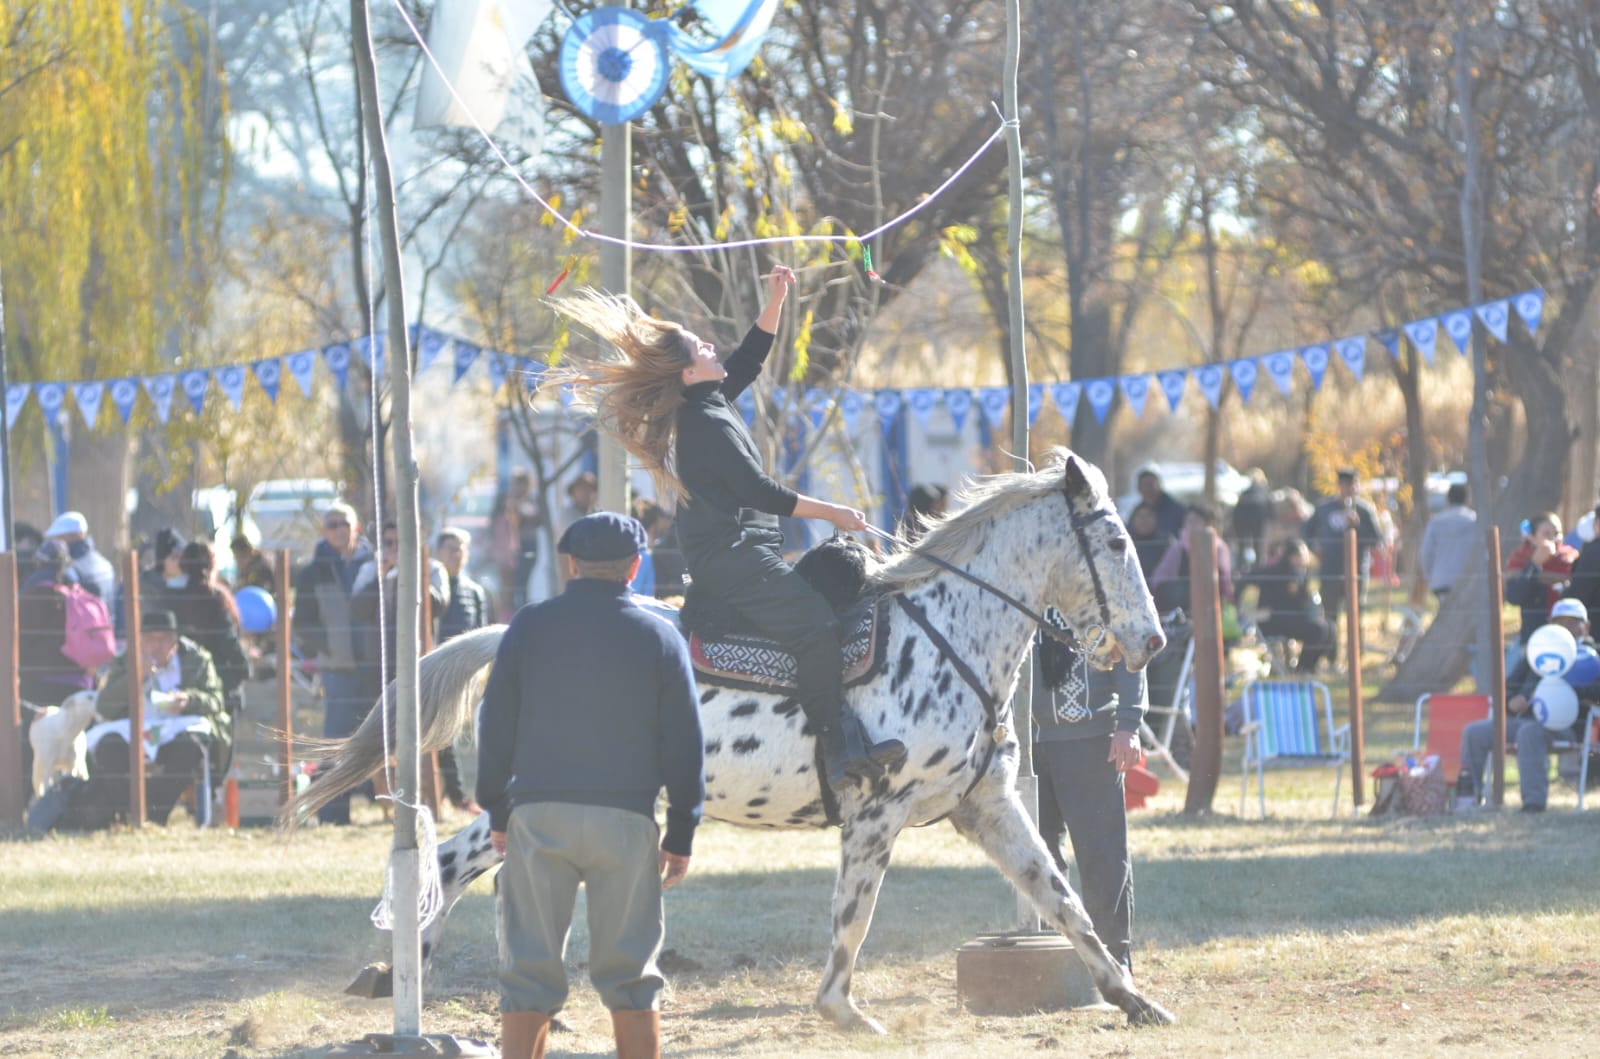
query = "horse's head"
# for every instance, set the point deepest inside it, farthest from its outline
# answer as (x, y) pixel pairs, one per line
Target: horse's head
(1096, 582)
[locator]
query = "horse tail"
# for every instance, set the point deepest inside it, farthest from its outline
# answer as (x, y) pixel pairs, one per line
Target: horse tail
(450, 682)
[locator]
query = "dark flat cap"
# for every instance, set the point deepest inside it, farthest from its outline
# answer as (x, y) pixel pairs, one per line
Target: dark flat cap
(158, 621)
(1348, 474)
(603, 537)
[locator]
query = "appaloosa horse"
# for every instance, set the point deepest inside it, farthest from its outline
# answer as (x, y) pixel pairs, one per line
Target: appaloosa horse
(966, 603)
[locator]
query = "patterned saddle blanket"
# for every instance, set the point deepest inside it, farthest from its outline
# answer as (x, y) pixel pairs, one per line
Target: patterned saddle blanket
(757, 664)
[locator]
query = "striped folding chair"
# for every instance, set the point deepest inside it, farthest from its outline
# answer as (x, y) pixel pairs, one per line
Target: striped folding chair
(1290, 722)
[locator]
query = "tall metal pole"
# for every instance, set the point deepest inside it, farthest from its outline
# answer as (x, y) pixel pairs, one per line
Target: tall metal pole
(1027, 779)
(404, 859)
(5, 436)
(616, 276)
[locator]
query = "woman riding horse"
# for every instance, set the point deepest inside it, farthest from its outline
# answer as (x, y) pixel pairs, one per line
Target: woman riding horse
(669, 402)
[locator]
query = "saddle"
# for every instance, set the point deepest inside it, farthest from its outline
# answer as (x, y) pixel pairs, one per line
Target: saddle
(724, 653)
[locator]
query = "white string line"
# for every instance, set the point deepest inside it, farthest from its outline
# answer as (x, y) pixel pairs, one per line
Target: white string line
(675, 248)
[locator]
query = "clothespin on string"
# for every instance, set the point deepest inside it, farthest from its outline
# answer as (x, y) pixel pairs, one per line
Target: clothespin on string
(866, 258)
(572, 259)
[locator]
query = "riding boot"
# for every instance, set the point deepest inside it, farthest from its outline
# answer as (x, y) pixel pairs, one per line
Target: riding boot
(523, 1034)
(638, 1034)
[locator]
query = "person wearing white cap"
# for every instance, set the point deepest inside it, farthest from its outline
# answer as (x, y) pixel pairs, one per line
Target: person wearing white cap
(94, 570)
(1522, 728)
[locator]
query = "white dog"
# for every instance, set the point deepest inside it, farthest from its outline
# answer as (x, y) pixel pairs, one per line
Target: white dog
(58, 741)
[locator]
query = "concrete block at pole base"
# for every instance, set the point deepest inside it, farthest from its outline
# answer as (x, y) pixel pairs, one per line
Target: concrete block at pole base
(1017, 974)
(441, 1044)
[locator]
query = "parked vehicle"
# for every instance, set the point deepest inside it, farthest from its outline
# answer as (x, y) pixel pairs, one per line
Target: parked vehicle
(288, 512)
(1186, 482)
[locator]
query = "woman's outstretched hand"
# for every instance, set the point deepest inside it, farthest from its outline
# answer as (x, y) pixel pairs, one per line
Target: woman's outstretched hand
(779, 280)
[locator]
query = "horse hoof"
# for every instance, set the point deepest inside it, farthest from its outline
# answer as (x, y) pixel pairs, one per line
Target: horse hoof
(852, 1020)
(373, 983)
(1149, 1013)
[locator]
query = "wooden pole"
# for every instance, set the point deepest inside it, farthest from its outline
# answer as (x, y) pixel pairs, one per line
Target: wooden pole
(1206, 615)
(1352, 606)
(1497, 669)
(13, 791)
(280, 588)
(134, 656)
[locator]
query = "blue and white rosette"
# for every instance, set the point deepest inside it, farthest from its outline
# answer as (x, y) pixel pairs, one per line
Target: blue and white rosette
(614, 64)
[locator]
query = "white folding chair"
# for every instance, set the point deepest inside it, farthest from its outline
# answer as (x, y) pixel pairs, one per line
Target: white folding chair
(1290, 722)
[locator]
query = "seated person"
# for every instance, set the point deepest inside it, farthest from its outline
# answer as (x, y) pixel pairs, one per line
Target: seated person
(1522, 727)
(1149, 543)
(1538, 570)
(184, 707)
(1288, 607)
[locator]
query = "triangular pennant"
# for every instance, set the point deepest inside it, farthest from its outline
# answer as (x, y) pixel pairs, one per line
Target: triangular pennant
(338, 360)
(430, 345)
(194, 385)
(530, 373)
(1100, 392)
(922, 401)
(850, 405)
(300, 366)
(124, 392)
(1244, 373)
(1458, 325)
(1495, 316)
(1389, 339)
(1209, 378)
(51, 396)
(466, 355)
(993, 401)
(231, 378)
(1353, 351)
(958, 403)
(160, 388)
(1280, 368)
(413, 332)
(1065, 395)
(368, 350)
(1530, 306)
(89, 395)
(1035, 402)
(1172, 383)
(1315, 358)
(1136, 388)
(498, 365)
(1424, 335)
(887, 404)
(269, 374)
(16, 396)
(816, 406)
(746, 403)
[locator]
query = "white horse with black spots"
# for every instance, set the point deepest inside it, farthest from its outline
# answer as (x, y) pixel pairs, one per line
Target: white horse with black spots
(967, 602)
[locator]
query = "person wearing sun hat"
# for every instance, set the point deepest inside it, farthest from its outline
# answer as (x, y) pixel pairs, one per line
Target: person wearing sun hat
(94, 570)
(589, 712)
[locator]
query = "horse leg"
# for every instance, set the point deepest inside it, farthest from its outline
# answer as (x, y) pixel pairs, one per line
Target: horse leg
(462, 858)
(996, 821)
(864, 854)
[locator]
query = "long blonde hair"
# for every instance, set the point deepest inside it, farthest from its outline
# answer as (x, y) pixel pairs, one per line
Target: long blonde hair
(633, 388)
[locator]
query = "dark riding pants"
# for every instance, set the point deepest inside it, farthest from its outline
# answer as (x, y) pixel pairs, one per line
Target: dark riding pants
(1081, 796)
(778, 604)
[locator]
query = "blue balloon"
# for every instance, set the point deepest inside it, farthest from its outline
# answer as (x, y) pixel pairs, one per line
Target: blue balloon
(258, 611)
(1585, 669)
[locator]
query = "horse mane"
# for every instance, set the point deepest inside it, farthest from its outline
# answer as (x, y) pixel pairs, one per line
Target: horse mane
(956, 538)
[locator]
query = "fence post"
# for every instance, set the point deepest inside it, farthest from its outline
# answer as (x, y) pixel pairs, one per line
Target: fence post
(280, 588)
(1206, 765)
(1352, 601)
(13, 792)
(133, 655)
(432, 783)
(1497, 668)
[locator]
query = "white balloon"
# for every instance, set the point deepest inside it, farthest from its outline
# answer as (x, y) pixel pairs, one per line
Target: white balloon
(1551, 649)
(1555, 704)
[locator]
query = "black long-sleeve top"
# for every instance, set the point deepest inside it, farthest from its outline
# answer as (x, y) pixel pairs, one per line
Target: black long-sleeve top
(731, 500)
(591, 701)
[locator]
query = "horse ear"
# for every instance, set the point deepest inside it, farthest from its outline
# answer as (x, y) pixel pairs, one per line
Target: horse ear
(1074, 483)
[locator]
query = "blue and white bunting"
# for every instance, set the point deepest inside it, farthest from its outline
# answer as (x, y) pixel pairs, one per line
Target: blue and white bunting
(958, 403)
(430, 345)
(368, 350)
(1530, 306)
(300, 366)
(922, 401)
(1389, 338)
(466, 356)
(16, 396)
(1065, 397)
(1173, 382)
(269, 376)
(51, 396)
(850, 405)
(1495, 315)
(746, 404)
(531, 373)
(1280, 369)
(1101, 393)
(1458, 325)
(816, 406)
(1209, 378)
(994, 400)
(231, 378)
(1136, 390)
(160, 389)
(1035, 402)
(337, 357)
(1424, 335)
(1315, 358)
(497, 364)
(1244, 372)
(887, 404)
(88, 395)
(566, 395)
(124, 393)
(193, 383)
(1353, 351)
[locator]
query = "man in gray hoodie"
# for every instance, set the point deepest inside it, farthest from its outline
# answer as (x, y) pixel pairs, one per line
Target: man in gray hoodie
(1448, 542)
